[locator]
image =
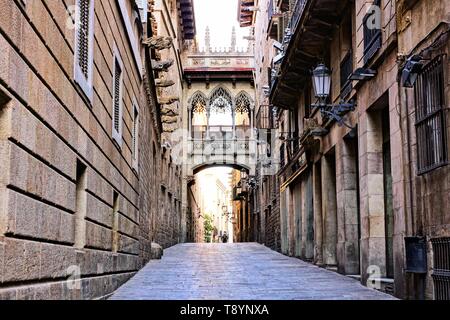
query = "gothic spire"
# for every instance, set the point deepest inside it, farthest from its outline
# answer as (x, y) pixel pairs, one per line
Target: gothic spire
(233, 39)
(207, 39)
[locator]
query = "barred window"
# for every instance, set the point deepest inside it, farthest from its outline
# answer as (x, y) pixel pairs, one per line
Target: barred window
(430, 117)
(117, 99)
(84, 45)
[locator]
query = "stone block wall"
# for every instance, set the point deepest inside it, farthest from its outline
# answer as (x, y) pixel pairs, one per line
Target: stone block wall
(49, 131)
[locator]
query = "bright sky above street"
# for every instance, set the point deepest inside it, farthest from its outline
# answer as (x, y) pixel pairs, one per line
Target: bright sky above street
(220, 16)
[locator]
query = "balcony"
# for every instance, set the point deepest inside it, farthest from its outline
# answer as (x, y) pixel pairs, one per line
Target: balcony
(221, 145)
(221, 132)
(309, 32)
(297, 13)
(274, 13)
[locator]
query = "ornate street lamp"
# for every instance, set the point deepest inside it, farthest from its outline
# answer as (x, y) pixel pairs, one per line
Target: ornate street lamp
(322, 87)
(322, 83)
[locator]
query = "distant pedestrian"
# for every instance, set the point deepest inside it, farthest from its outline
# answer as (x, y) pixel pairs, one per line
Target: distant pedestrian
(225, 238)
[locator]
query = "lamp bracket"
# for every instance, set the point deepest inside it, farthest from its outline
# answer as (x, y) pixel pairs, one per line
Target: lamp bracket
(335, 111)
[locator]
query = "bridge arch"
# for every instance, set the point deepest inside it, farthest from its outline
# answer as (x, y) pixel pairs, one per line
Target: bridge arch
(207, 165)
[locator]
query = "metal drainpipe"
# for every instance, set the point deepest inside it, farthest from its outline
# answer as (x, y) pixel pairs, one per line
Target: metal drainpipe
(404, 97)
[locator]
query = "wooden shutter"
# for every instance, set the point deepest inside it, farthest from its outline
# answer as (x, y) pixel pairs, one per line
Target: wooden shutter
(83, 36)
(117, 84)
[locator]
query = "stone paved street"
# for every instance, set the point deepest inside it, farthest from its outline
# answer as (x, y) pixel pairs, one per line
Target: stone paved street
(238, 272)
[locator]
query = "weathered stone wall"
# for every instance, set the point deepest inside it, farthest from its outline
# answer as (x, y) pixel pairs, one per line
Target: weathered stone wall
(427, 195)
(47, 127)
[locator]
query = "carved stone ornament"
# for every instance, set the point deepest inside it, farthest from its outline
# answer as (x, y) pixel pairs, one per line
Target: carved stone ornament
(162, 65)
(164, 83)
(159, 42)
(168, 100)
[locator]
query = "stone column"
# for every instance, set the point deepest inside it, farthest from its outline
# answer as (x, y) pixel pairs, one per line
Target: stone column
(233, 116)
(318, 225)
(347, 207)
(329, 210)
(373, 248)
(283, 222)
(291, 220)
(189, 128)
(298, 225)
(308, 217)
(251, 122)
(208, 114)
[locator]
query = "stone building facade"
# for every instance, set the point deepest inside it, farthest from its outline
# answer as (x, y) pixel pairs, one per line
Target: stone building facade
(172, 21)
(218, 114)
(82, 166)
(363, 190)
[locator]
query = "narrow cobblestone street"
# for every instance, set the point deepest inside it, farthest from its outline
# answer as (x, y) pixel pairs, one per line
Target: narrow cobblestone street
(238, 272)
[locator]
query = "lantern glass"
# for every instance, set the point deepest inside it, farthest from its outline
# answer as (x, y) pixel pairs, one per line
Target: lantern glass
(321, 82)
(244, 174)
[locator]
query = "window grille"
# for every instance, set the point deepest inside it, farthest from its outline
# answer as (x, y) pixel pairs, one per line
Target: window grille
(441, 268)
(430, 117)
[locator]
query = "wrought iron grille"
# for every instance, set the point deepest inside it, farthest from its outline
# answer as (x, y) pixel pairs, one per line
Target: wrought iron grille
(346, 71)
(441, 268)
(297, 13)
(430, 117)
(372, 36)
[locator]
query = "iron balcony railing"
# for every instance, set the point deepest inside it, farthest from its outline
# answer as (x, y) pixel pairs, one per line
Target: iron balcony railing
(294, 18)
(297, 13)
(221, 132)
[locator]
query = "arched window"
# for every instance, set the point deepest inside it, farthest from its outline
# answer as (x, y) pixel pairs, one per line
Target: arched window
(198, 115)
(221, 108)
(242, 115)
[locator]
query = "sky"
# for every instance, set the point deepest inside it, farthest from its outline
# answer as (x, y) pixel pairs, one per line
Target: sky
(220, 16)
(221, 173)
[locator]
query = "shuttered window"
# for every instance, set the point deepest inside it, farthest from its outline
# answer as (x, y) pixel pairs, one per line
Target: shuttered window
(83, 38)
(117, 99)
(135, 142)
(84, 45)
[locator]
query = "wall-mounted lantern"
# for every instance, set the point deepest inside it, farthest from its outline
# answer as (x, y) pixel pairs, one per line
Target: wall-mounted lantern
(322, 87)
(411, 71)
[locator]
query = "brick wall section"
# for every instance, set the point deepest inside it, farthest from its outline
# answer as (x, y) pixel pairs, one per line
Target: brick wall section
(45, 127)
(271, 217)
